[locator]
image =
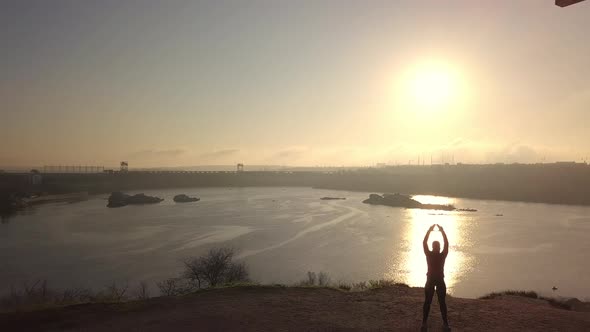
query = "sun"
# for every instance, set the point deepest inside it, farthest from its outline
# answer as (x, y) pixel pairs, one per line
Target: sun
(431, 87)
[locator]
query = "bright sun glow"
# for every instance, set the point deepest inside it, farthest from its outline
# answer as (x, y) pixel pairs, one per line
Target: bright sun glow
(411, 266)
(431, 87)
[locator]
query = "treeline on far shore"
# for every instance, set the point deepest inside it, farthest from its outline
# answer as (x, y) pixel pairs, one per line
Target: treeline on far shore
(559, 183)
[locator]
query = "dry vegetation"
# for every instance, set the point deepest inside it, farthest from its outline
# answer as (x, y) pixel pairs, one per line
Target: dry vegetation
(39, 295)
(216, 269)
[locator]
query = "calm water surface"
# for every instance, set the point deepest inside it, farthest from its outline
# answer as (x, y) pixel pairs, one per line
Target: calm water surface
(284, 232)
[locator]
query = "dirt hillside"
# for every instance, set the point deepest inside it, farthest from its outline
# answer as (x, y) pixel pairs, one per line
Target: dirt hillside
(300, 309)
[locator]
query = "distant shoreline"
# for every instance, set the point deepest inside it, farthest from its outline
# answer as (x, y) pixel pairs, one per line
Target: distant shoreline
(545, 183)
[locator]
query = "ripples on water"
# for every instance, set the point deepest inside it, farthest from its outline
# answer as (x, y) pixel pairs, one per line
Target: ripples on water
(413, 262)
(284, 232)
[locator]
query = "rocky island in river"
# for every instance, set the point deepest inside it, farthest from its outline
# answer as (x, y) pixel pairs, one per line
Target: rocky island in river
(182, 198)
(118, 199)
(399, 200)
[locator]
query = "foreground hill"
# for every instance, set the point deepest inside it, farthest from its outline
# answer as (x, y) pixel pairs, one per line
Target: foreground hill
(261, 308)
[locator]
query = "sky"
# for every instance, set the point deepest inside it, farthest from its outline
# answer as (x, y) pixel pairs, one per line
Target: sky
(300, 83)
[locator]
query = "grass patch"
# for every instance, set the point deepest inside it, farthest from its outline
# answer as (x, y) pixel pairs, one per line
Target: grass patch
(39, 295)
(322, 279)
(557, 303)
(493, 295)
(215, 269)
(530, 294)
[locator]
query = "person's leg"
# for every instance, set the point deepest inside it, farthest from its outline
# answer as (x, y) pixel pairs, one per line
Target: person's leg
(441, 292)
(428, 294)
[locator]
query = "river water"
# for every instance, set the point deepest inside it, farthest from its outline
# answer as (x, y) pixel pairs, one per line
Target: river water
(282, 233)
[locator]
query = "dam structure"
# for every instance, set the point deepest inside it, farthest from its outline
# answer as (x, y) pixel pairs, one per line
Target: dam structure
(557, 183)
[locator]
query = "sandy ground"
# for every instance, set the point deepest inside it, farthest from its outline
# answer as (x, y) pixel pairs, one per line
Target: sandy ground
(396, 308)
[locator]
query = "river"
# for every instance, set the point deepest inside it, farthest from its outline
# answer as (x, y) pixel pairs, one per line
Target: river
(282, 233)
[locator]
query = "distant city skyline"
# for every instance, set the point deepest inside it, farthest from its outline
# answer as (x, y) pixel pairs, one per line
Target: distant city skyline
(298, 83)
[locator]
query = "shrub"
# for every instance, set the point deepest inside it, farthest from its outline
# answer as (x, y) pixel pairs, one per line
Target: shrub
(311, 279)
(237, 272)
(174, 287)
(142, 292)
(360, 286)
(216, 268)
(323, 279)
(344, 286)
(382, 283)
(38, 294)
(114, 293)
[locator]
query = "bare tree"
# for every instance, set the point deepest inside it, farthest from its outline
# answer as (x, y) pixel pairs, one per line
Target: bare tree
(142, 292)
(173, 286)
(323, 279)
(193, 272)
(116, 293)
(215, 268)
(237, 272)
(311, 278)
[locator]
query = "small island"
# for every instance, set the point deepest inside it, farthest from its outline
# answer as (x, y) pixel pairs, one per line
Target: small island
(182, 198)
(399, 200)
(118, 199)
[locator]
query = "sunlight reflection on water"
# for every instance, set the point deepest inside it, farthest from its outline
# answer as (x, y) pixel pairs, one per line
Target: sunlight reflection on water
(410, 267)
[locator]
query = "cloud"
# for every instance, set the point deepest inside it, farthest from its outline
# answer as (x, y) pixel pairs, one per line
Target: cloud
(154, 153)
(223, 156)
(291, 153)
(219, 154)
(523, 153)
(473, 151)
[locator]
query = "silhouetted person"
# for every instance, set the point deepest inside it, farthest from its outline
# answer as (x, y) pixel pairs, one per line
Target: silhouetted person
(435, 276)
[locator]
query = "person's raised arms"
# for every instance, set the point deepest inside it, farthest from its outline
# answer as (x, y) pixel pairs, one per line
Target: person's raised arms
(425, 242)
(446, 244)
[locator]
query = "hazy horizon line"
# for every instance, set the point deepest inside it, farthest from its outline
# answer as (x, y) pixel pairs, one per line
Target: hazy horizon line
(272, 166)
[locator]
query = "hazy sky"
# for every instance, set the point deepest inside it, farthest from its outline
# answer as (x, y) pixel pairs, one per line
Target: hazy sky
(292, 82)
